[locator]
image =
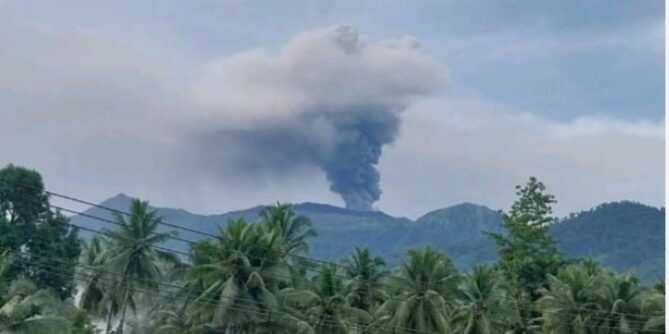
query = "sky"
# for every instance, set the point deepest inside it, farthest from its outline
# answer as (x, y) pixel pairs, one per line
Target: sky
(219, 105)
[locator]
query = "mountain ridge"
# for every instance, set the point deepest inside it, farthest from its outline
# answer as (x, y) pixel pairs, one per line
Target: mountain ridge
(457, 230)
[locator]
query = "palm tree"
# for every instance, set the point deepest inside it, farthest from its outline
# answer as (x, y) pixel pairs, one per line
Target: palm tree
(177, 321)
(6, 261)
(241, 273)
(481, 302)
(620, 298)
(324, 305)
(421, 292)
(92, 289)
(29, 310)
(294, 229)
(364, 287)
(520, 318)
(567, 304)
(653, 308)
(134, 257)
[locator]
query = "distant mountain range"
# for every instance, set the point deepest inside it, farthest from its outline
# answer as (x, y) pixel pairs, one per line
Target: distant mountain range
(623, 235)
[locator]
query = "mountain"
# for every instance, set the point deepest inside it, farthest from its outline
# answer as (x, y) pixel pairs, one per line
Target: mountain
(624, 235)
(339, 229)
(458, 230)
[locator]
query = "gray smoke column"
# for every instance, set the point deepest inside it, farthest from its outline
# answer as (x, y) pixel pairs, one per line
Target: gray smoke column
(328, 100)
(351, 168)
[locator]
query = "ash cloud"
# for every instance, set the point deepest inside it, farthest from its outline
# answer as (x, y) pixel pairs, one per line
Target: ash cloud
(329, 99)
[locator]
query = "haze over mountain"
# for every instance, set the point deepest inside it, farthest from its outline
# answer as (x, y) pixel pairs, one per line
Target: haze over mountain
(624, 235)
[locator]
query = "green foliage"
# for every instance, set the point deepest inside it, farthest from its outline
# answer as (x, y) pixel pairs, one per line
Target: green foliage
(365, 279)
(527, 253)
(27, 309)
(481, 304)
(248, 281)
(254, 278)
(240, 273)
(324, 305)
(23, 202)
(293, 229)
(134, 257)
(41, 238)
(423, 290)
(566, 304)
(79, 321)
(628, 235)
(622, 235)
(54, 247)
(92, 280)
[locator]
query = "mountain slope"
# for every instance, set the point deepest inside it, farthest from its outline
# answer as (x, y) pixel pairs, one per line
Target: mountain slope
(340, 230)
(623, 235)
(458, 230)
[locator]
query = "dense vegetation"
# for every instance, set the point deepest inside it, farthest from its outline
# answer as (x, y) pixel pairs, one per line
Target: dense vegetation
(622, 235)
(257, 277)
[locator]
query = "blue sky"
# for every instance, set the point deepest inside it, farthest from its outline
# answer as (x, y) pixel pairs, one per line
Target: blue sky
(590, 72)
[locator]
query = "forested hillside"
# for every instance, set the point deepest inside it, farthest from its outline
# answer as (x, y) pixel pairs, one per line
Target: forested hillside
(624, 235)
(259, 275)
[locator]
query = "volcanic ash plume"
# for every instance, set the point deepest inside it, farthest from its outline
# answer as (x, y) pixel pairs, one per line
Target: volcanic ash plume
(328, 99)
(351, 166)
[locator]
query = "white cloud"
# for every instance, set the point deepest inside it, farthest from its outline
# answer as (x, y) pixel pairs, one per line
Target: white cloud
(464, 149)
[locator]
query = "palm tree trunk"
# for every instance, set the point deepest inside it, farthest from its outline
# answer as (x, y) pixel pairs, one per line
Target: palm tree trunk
(109, 317)
(123, 308)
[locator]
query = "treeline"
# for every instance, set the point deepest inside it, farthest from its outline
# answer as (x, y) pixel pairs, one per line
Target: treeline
(256, 277)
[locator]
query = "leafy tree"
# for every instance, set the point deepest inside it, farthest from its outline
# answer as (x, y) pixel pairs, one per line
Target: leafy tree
(249, 280)
(527, 253)
(23, 204)
(54, 247)
(36, 234)
(421, 291)
(27, 309)
(134, 257)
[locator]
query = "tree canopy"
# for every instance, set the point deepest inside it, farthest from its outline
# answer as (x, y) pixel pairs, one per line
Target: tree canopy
(256, 277)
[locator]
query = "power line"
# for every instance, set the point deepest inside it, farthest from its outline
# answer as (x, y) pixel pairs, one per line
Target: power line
(210, 301)
(157, 247)
(83, 214)
(201, 233)
(183, 228)
(108, 234)
(221, 237)
(256, 311)
(187, 254)
(401, 299)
